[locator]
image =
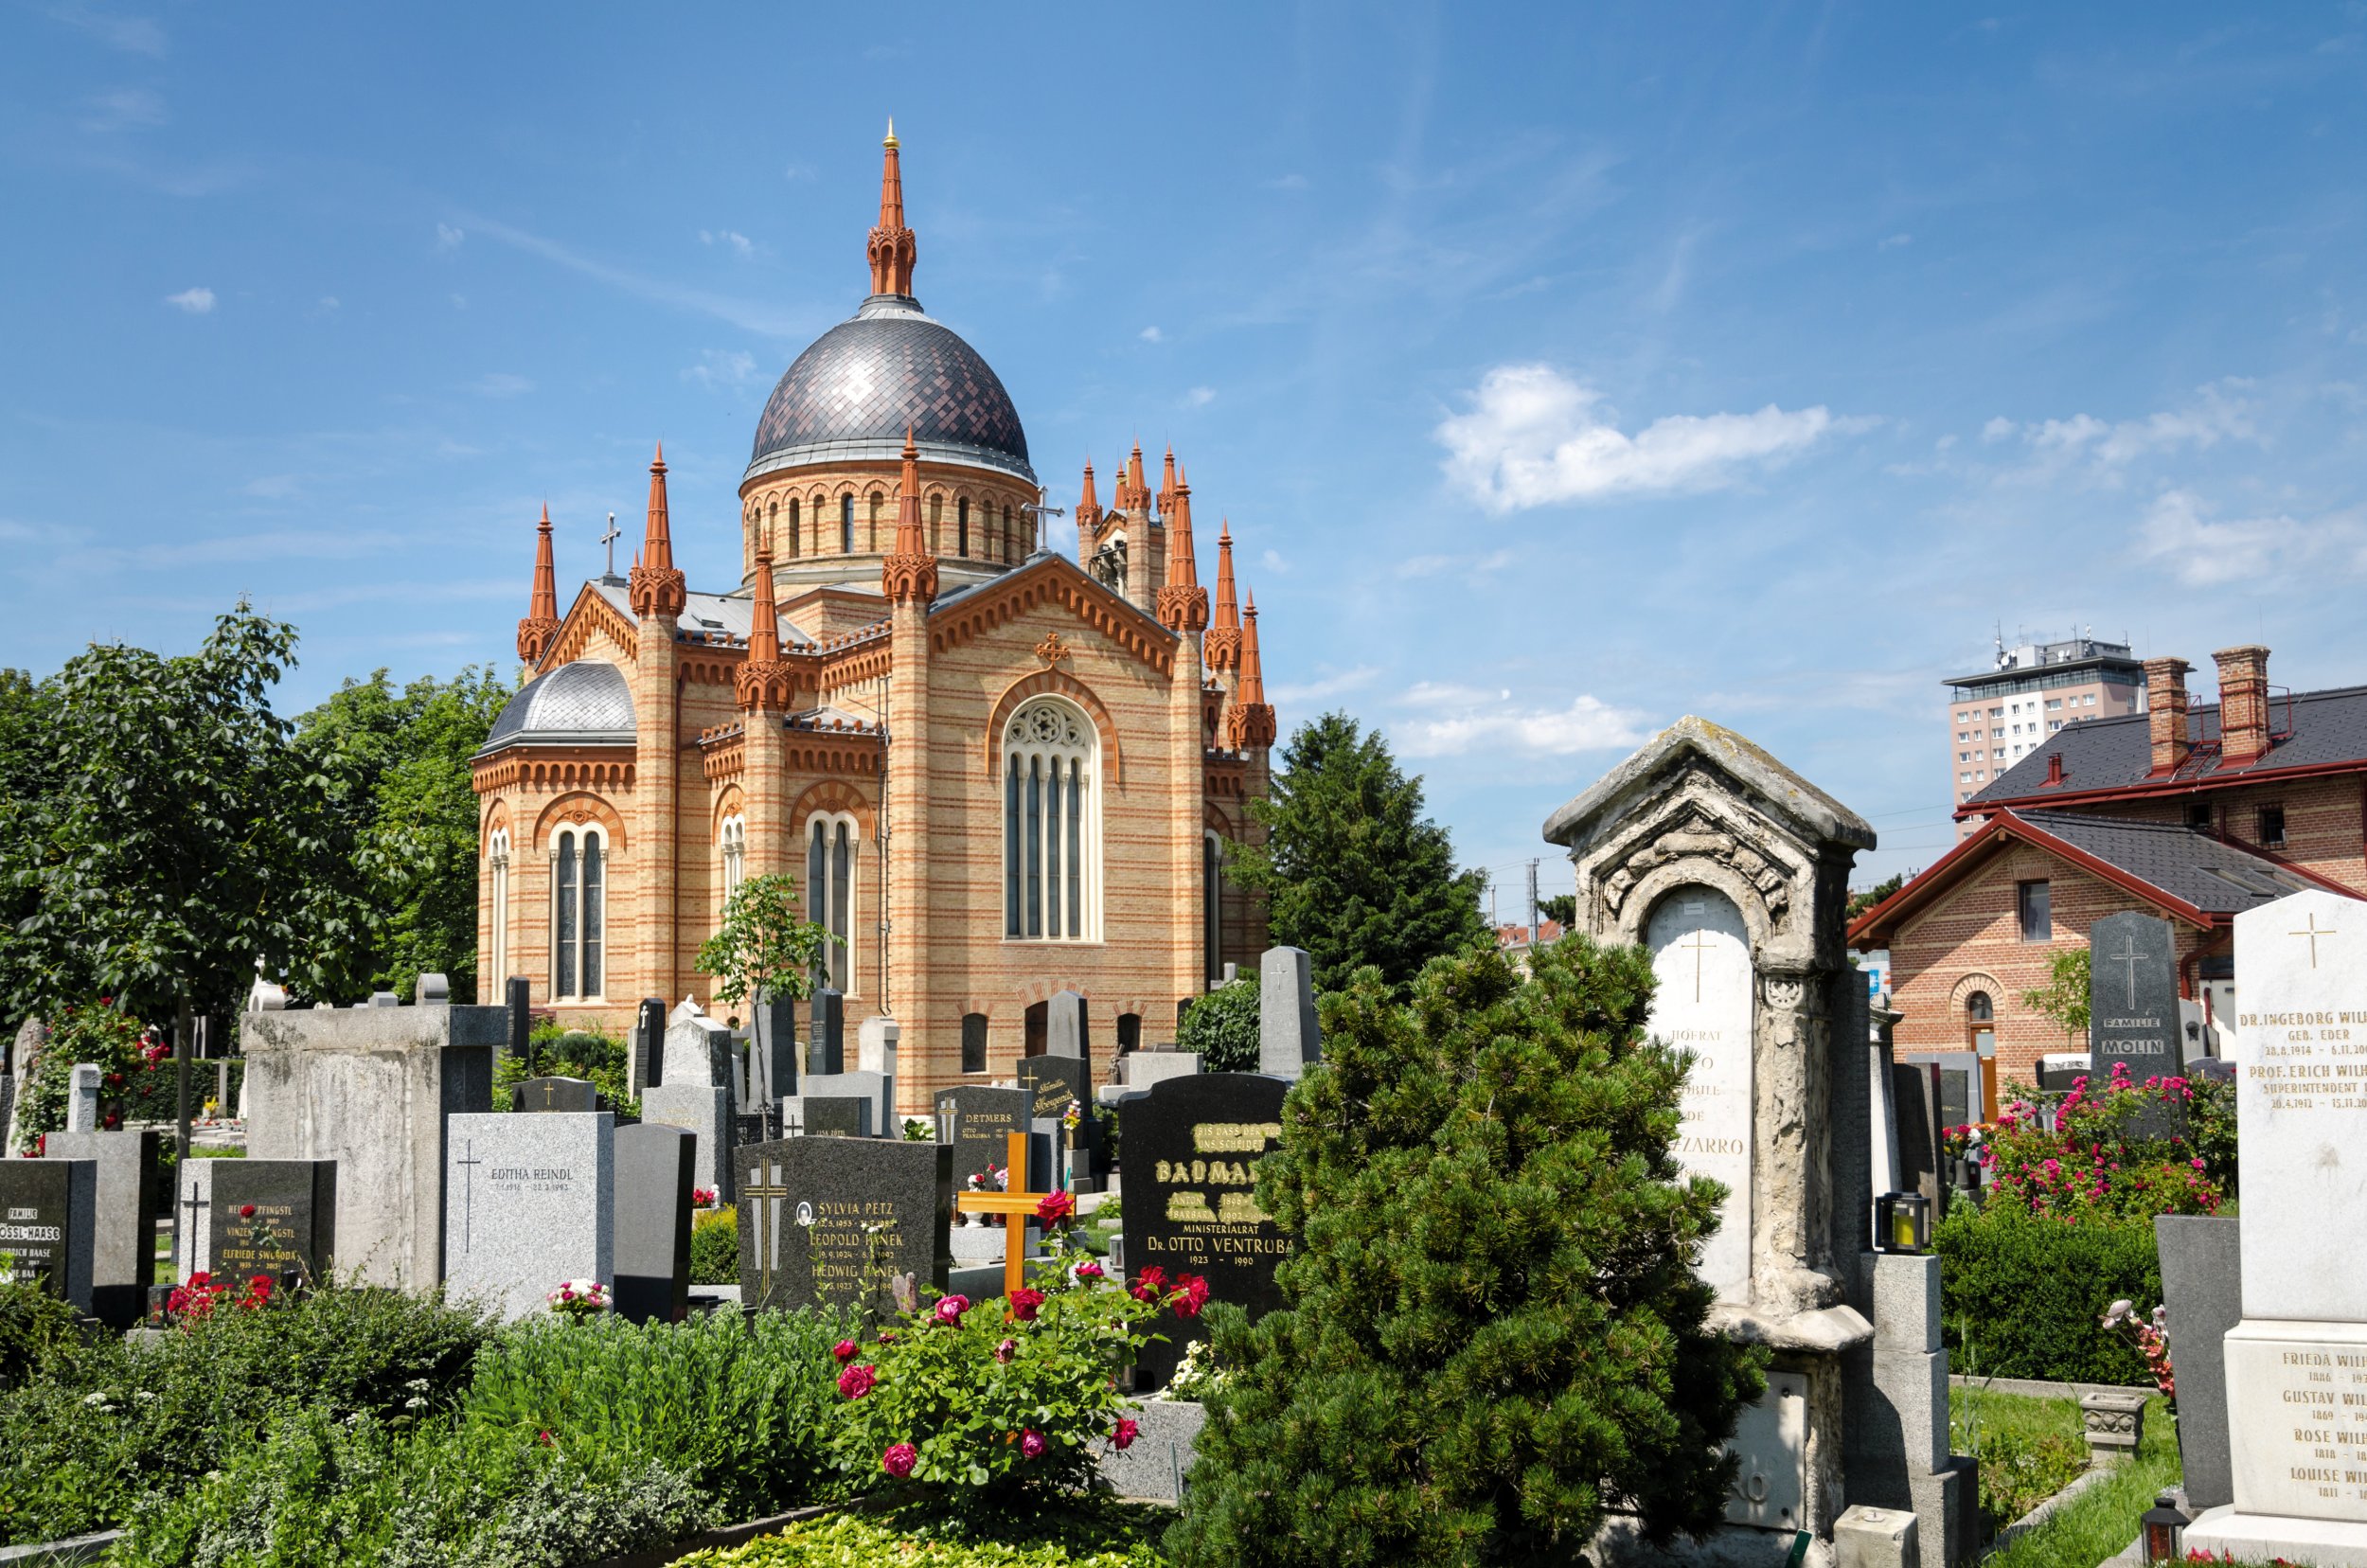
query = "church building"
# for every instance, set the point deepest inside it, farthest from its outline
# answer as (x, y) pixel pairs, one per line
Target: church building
(994, 772)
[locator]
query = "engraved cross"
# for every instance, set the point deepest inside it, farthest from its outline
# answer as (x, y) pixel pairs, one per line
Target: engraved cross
(2313, 933)
(1697, 946)
(468, 1192)
(2130, 955)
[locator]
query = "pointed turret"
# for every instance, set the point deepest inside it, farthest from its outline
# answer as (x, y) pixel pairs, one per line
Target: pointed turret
(655, 587)
(1252, 721)
(762, 682)
(1222, 645)
(541, 626)
(1137, 493)
(892, 249)
(911, 571)
(1087, 502)
(1183, 603)
(1167, 484)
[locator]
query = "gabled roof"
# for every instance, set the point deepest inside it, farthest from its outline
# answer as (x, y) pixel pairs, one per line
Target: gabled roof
(724, 620)
(2186, 874)
(2115, 756)
(1818, 815)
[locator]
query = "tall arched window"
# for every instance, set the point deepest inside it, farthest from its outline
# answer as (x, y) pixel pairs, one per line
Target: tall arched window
(1010, 541)
(733, 838)
(792, 528)
(961, 526)
(497, 900)
(579, 912)
(831, 854)
(1051, 824)
(1211, 906)
(847, 525)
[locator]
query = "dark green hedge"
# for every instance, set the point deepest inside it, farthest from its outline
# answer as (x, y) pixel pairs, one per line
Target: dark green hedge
(2022, 1296)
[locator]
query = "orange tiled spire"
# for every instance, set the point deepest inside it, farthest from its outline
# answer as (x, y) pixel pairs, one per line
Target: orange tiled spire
(1252, 723)
(1088, 501)
(911, 572)
(1222, 645)
(1167, 484)
(540, 627)
(1137, 493)
(1183, 603)
(655, 587)
(892, 249)
(762, 682)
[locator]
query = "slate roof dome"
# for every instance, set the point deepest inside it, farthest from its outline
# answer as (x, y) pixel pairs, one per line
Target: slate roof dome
(849, 397)
(585, 703)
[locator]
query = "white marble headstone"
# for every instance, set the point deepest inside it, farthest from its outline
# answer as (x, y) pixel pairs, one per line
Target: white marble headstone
(1701, 953)
(528, 1201)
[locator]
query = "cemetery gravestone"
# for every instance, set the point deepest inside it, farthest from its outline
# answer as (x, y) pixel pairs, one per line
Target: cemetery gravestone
(529, 1202)
(47, 1210)
(518, 998)
(775, 1051)
(2132, 1005)
(245, 1217)
(431, 990)
(829, 1221)
(1289, 1036)
(698, 1050)
(975, 1121)
(876, 1092)
(127, 1200)
(834, 1116)
(654, 1166)
(1701, 954)
(649, 1045)
(555, 1094)
(1955, 1097)
(703, 1112)
(826, 1038)
(2297, 1364)
(1916, 1102)
(2202, 1284)
(1068, 1026)
(1188, 1202)
(82, 1106)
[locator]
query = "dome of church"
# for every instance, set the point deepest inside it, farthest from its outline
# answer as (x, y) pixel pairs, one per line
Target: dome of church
(852, 394)
(583, 703)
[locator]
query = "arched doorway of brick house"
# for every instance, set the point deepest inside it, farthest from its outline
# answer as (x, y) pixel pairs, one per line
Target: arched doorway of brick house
(1981, 1038)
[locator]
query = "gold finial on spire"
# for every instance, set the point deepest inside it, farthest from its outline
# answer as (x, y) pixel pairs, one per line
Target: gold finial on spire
(890, 135)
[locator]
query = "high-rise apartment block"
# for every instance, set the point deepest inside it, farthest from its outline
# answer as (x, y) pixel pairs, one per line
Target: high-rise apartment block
(1998, 716)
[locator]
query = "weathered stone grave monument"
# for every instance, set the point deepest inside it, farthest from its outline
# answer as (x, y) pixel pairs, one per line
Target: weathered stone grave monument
(1732, 870)
(129, 1198)
(693, 1092)
(2297, 1364)
(654, 1167)
(373, 1089)
(48, 1210)
(529, 1202)
(243, 1217)
(2133, 1009)
(832, 1221)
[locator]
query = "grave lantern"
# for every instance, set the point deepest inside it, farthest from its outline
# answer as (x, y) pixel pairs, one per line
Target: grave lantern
(1902, 1222)
(2164, 1530)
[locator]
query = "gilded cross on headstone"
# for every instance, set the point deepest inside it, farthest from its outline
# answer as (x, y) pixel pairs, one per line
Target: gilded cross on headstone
(1697, 946)
(2130, 955)
(1016, 1208)
(2313, 933)
(769, 1195)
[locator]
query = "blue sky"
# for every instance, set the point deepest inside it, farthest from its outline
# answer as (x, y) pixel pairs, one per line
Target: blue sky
(1561, 369)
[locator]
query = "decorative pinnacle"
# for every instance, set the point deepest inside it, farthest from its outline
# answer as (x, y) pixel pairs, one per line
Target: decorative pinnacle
(1183, 603)
(892, 248)
(1251, 721)
(541, 626)
(1222, 646)
(910, 573)
(762, 683)
(655, 587)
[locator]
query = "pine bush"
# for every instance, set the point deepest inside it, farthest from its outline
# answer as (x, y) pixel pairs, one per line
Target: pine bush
(1492, 1334)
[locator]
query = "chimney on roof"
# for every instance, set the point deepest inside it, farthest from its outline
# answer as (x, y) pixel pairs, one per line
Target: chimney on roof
(2243, 702)
(2054, 768)
(2165, 710)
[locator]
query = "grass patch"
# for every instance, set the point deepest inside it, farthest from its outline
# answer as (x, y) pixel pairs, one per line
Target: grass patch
(1090, 1534)
(2029, 1449)
(2102, 1520)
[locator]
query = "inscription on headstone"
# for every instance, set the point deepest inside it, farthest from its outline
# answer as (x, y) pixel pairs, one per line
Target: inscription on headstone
(825, 1034)
(245, 1217)
(975, 1122)
(46, 1210)
(529, 1202)
(2132, 1005)
(832, 1221)
(1701, 954)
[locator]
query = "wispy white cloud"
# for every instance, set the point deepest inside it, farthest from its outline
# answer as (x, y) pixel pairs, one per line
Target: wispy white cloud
(449, 238)
(1150, 334)
(1896, 242)
(1534, 437)
(1273, 560)
(195, 301)
(721, 367)
(731, 240)
(125, 109)
(2100, 450)
(2180, 535)
(1433, 565)
(501, 384)
(748, 315)
(1199, 397)
(1496, 724)
(132, 34)
(1324, 688)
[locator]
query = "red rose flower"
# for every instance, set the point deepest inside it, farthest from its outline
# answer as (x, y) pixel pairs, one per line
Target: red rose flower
(950, 1309)
(1054, 1208)
(856, 1381)
(1122, 1438)
(1004, 1351)
(1031, 1444)
(900, 1459)
(1089, 1270)
(246, 1211)
(844, 1350)
(1025, 1304)
(1193, 1297)
(1149, 1284)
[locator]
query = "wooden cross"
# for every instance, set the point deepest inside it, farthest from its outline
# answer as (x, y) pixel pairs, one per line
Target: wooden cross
(1016, 1208)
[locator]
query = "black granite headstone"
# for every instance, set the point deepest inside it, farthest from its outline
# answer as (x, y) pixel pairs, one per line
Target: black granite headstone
(648, 1044)
(1053, 1083)
(555, 1094)
(833, 1220)
(130, 1198)
(1915, 1102)
(836, 1115)
(2132, 1007)
(293, 1224)
(825, 1037)
(47, 1210)
(975, 1122)
(654, 1170)
(1955, 1097)
(518, 994)
(748, 1126)
(1189, 1206)
(774, 1054)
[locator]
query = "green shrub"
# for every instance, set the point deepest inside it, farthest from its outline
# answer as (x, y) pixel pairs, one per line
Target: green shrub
(1222, 1026)
(2211, 1128)
(1493, 1332)
(2028, 1449)
(33, 1321)
(594, 1055)
(2023, 1296)
(715, 1247)
(1078, 1534)
(738, 1405)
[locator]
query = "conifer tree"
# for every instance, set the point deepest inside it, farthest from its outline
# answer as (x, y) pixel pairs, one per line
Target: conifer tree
(1352, 870)
(1492, 1334)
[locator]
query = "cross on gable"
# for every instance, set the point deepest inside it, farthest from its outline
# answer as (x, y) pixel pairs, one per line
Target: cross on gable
(1016, 1208)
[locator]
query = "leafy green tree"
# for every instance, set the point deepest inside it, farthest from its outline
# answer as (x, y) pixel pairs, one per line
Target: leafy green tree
(2064, 997)
(1860, 902)
(1222, 1026)
(1493, 1333)
(1562, 909)
(1352, 870)
(764, 947)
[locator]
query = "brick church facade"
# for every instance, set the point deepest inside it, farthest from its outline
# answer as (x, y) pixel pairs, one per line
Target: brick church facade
(994, 772)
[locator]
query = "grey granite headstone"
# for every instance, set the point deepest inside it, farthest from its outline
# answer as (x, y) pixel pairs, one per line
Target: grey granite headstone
(834, 1115)
(529, 1202)
(383, 999)
(555, 1094)
(1918, 1134)
(826, 1036)
(704, 1113)
(976, 1123)
(649, 1045)
(1068, 1026)
(829, 1221)
(293, 1224)
(1289, 1037)
(48, 1213)
(82, 1105)
(1189, 1202)
(654, 1182)
(2202, 1281)
(129, 1197)
(431, 990)
(2132, 1006)
(876, 1087)
(876, 1042)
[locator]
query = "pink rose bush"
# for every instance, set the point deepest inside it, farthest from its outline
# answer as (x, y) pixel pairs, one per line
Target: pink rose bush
(2093, 1161)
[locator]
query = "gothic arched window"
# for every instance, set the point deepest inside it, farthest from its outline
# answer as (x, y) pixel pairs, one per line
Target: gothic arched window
(1212, 906)
(792, 528)
(847, 525)
(1051, 824)
(831, 844)
(732, 837)
(961, 526)
(579, 912)
(497, 900)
